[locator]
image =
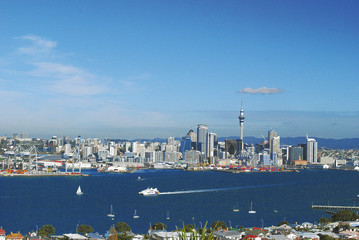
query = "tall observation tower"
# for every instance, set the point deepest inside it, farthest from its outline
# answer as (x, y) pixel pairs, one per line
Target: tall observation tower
(241, 120)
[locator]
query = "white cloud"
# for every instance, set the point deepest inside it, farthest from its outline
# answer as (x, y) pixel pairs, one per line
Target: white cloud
(38, 45)
(69, 80)
(262, 90)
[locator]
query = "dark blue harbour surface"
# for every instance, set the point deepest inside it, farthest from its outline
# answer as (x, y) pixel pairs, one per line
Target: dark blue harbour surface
(27, 202)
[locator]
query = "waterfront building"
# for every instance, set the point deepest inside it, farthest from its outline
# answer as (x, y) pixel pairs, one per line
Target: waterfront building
(202, 131)
(86, 152)
(312, 149)
(192, 156)
(294, 153)
(154, 156)
(102, 154)
(265, 159)
(171, 156)
(327, 160)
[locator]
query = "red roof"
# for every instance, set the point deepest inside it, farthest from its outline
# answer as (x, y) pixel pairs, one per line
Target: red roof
(2, 231)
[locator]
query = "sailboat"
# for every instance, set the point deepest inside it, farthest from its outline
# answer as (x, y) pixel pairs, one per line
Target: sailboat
(135, 215)
(275, 209)
(251, 211)
(168, 215)
(79, 192)
(111, 213)
(235, 208)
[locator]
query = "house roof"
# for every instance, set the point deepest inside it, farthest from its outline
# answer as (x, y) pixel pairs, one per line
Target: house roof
(2, 231)
(75, 236)
(14, 236)
(94, 235)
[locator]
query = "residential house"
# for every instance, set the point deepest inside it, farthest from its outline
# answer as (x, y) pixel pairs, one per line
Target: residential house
(94, 236)
(349, 234)
(256, 233)
(308, 235)
(2, 234)
(75, 236)
(228, 234)
(138, 237)
(14, 236)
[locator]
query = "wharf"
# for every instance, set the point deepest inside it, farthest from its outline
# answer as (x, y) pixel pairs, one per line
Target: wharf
(57, 174)
(327, 207)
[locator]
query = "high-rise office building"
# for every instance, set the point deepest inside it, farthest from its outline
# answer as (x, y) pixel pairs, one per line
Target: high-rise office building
(193, 137)
(186, 144)
(271, 135)
(202, 130)
(230, 146)
(312, 149)
(275, 145)
(211, 144)
(295, 153)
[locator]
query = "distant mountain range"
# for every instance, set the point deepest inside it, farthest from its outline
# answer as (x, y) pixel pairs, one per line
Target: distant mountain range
(345, 143)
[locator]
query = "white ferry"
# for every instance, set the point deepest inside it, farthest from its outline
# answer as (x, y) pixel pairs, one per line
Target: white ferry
(149, 192)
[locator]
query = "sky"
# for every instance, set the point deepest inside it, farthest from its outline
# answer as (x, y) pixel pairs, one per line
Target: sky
(146, 69)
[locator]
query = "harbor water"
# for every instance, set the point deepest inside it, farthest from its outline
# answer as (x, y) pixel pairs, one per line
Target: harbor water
(27, 203)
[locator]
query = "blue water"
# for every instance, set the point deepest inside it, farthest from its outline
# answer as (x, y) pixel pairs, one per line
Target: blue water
(189, 197)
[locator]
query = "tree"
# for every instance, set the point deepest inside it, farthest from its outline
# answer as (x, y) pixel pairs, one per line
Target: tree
(219, 225)
(325, 237)
(323, 221)
(283, 222)
(46, 230)
(188, 228)
(159, 226)
(83, 229)
(345, 215)
(122, 227)
(113, 234)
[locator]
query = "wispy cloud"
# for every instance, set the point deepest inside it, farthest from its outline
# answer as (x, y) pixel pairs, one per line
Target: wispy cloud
(68, 79)
(58, 77)
(262, 90)
(38, 45)
(130, 81)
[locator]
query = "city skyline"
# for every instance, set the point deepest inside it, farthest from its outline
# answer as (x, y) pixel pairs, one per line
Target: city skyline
(133, 69)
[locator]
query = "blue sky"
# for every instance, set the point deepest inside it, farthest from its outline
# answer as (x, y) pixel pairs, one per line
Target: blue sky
(144, 69)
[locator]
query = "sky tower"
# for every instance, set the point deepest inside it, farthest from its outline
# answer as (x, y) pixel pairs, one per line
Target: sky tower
(241, 120)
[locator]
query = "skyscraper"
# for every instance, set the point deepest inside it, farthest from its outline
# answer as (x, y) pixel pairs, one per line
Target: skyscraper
(271, 135)
(295, 153)
(312, 149)
(202, 130)
(211, 144)
(191, 134)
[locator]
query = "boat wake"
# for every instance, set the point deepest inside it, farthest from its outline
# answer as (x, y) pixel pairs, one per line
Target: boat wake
(222, 189)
